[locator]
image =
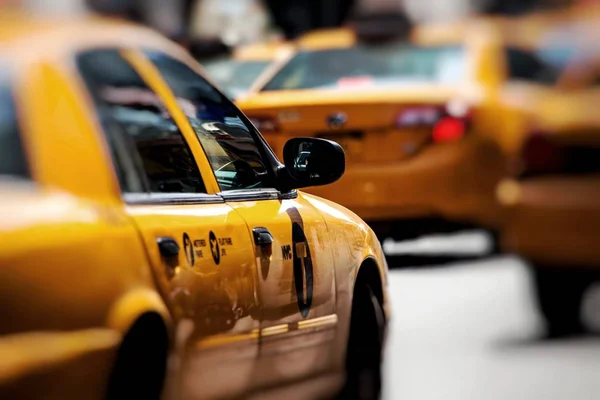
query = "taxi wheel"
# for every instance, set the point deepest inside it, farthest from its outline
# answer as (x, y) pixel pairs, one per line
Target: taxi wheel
(559, 295)
(140, 367)
(363, 363)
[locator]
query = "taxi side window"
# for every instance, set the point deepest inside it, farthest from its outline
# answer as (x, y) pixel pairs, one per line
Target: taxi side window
(12, 155)
(148, 150)
(221, 128)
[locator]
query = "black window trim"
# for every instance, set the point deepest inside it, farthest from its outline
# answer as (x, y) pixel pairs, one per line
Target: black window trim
(251, 194)
(203, 198)
(171, 198)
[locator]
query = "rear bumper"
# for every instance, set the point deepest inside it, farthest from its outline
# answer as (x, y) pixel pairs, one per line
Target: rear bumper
(455, 181)
(57, 365)
(554, 220)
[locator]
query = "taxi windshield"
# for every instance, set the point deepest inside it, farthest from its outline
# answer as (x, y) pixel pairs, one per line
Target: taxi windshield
(395, 63)
(235, 77)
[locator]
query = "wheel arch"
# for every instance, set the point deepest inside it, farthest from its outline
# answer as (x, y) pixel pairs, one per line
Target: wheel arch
(369, 272)
(136, 303)
(140, 366)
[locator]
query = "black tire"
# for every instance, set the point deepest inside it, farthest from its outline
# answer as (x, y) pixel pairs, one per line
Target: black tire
(140, 368)
(559, 294)
(365, 343)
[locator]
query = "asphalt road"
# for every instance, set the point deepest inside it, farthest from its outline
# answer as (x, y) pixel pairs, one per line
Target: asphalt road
(470, 331)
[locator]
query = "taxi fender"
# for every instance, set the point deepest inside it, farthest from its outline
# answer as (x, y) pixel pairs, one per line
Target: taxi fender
(132, 305)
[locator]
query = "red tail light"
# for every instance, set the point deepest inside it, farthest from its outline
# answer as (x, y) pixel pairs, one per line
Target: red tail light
(449, 129)
(265, 124)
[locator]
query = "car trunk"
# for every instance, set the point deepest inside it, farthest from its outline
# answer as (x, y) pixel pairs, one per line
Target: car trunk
(367, 125)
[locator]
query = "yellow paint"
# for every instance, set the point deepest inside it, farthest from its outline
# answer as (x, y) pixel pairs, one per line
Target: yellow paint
(262, 51)
(28, 352)
(80, 265)
(274, 330)
(329, 320)
(221, 340)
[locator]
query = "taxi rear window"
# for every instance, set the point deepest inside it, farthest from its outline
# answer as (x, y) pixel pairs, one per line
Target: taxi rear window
(388, 64)
(12, 154)
(235, 77)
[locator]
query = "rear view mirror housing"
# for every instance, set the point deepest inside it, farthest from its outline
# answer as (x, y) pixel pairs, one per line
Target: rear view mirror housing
(311, 162)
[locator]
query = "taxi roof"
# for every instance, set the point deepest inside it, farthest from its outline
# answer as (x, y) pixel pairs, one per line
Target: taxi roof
(24, 35)
(327, 39)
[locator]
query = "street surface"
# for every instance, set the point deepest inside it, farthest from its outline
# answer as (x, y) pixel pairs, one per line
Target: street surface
(469, 331)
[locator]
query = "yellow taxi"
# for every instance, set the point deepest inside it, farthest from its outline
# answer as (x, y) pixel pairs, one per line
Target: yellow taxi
(550, 207)
(399, 111)
(237, 74)
(415, 115)
(143, 218)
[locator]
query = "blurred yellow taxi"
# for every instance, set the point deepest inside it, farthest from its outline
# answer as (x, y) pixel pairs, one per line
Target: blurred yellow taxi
(550, 201)
(426, 122)
(142, 216)
(405, 111)
(237, 74)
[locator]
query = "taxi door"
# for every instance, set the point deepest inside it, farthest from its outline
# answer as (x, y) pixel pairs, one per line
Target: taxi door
(296, 284)
(294, 267)
(198, 245)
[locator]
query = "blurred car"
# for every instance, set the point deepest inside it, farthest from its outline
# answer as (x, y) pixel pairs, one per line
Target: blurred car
(410, 112)
(550, 201)
(237, 74)
(143, 216)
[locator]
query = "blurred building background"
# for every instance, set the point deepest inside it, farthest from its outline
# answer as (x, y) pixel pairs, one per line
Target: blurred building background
(213, 26)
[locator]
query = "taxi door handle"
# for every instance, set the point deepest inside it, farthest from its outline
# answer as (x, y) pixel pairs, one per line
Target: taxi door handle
(262, 237)
(168, 247)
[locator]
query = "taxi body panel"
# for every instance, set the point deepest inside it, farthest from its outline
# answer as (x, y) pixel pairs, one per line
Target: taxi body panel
(69, 328)
(30, 370)
(550, 216)
(554, 221)
(549, 197)
(261, 316)
(385, 191)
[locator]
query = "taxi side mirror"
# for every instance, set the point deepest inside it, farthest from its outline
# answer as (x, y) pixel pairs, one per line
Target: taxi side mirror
(312, 162)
